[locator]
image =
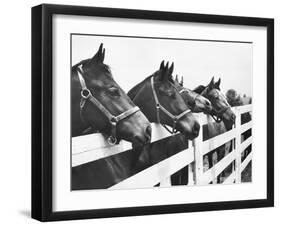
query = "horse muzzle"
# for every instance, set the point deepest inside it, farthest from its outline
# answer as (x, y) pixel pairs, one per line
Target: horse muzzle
(142, 139)
(190, 130)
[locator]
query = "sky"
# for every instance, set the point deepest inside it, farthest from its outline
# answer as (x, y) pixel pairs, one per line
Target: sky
(133, 59)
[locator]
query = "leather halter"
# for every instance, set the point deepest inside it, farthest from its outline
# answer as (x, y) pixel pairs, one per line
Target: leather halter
(86, 95)
(159, 107)
(218, 113)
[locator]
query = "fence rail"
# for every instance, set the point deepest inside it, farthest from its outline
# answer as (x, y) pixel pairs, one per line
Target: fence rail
(93, 147)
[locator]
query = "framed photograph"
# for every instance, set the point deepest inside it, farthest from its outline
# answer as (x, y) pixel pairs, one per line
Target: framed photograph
(146, 112)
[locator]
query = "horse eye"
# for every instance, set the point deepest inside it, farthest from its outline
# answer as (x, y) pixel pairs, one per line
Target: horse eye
(172, 95)
(114, 91)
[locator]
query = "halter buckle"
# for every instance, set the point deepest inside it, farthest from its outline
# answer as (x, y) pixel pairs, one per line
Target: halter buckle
(113, 120)
(112, 140)
(85, 93)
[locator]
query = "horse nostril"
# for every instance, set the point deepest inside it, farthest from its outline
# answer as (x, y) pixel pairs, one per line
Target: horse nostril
(148, 131)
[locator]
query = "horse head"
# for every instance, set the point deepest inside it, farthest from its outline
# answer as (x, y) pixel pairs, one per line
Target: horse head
(99, 102)
(161, 102)
(196, 102)
(221, 108)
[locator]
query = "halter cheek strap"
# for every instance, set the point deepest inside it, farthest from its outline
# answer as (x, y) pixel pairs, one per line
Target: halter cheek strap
(86, 95)
(159, 107)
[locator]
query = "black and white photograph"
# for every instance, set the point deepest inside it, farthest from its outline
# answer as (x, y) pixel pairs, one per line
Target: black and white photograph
(140, 112)
(157, 112)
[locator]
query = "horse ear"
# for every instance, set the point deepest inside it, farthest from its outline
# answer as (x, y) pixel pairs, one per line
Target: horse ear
(171, 69)
(211, 84)
(99, 56)
(103, 55)
(181, 83)
(162, 65)
(176, 79)
(167, 66)
(217, 84)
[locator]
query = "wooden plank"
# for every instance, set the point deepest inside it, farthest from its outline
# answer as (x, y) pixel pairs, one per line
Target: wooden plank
(92, 147)
(230, 179)
(97, 140)
(246, 162)
(166, 182)
(158, 172)
(215, 142)
(246, 126)
(209, 175)
(88, 142)
(246, 143)
(93, 155)
(237, 149)
(245, 108)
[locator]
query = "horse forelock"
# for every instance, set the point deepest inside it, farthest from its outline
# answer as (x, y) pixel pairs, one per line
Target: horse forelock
(134, 91)
(86, 66)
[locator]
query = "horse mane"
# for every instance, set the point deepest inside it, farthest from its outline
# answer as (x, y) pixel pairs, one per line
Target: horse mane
(134, 91)
(199, 89)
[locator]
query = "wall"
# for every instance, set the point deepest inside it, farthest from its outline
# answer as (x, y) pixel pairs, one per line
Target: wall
(15, 111)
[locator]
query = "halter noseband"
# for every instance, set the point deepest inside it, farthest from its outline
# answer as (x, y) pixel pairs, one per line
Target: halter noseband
(219, 114)
(113, 120)
(159, 107)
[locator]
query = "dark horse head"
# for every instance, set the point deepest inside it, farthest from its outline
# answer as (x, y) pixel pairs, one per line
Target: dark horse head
(221, 108)
(196, 102)
(161, 102)
(98, 102)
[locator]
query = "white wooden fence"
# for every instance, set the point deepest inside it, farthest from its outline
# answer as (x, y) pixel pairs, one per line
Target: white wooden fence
(92, 147)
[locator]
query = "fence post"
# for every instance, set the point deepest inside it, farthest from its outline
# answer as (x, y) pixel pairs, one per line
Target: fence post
(237, 146)
(190, 169)
(166, 182)
(198, 157)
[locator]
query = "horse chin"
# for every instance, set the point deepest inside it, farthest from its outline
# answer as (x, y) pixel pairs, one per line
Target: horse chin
(135, 129)
(208, 110)
(191, 136)
(138, 143)
(188, 132)
(229, 118)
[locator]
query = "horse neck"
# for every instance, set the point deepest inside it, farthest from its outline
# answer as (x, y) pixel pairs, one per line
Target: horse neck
(212, 129)
(134, 91)
(142, 96)
(228, 126)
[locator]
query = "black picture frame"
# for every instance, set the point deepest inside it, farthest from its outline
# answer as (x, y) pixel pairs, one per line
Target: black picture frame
(42, 111)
